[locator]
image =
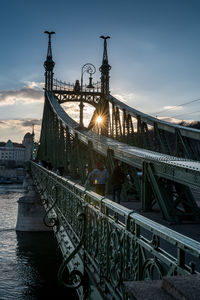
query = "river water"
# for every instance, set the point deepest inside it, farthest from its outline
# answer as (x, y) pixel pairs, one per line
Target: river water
(29, 261)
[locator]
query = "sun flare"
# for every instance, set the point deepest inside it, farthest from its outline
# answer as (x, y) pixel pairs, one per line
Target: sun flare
(99, 119)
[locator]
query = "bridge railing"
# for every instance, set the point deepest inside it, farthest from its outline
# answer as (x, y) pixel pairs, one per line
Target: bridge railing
(117, 244)
(59, 85)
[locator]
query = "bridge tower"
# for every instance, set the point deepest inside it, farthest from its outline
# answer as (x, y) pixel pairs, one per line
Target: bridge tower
(104, 69)
(49, 65)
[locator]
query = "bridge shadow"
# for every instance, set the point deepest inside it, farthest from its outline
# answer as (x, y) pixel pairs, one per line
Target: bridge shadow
(39, 258)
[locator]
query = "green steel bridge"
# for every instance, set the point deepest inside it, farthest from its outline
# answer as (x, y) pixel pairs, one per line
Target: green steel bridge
(104, 243)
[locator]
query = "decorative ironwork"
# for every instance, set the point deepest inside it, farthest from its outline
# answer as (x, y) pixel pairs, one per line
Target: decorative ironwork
(90, 69)
(118, 243)
(75, 278)
(49, 64)
(52, 221)
(152, 269)
(115, 258)
(105, 68)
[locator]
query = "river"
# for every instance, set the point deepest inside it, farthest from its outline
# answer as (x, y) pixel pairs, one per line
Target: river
(29, 261)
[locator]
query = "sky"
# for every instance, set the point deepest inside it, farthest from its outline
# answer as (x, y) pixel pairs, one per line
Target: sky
(154, 52)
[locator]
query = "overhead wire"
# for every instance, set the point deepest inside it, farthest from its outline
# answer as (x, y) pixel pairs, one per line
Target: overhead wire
(193, 112)
(186, 103)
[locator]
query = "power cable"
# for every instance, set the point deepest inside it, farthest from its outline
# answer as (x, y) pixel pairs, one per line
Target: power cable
(186, 103)
(185, 114)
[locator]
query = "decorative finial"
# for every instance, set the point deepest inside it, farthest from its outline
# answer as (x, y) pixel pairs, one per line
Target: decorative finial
(105, 68)
(105, 37)
(49, 52)
(105, 55)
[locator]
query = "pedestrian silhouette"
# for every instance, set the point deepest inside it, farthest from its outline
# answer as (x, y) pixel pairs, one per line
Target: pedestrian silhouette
(98, 177)
(117, 180)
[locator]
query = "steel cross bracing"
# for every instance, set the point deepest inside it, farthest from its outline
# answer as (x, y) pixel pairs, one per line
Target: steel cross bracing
(67, 93)
(166, 179)
(122, 122)
(136, 128)
(104, 244)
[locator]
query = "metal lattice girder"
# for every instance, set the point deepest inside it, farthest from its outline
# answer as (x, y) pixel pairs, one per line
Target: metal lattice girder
(71, 96)
(163, 201)
(118, 128)
(82, 159)
(181, 149)
(164, 135)
(92, 124)
(185, 204)
(175, 200)
(91, 157)
(160, 142)
(164, 166)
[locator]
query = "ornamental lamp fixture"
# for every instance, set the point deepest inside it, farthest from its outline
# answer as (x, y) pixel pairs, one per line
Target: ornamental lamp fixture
(90, 85)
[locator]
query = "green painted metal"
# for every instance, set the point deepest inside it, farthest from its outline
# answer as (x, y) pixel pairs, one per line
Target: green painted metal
(161, 172)
(113, 244)
(164, 137)
(103, 243)
(118, 122)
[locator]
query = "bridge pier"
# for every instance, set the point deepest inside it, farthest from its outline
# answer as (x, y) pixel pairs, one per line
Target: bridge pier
(30, 210)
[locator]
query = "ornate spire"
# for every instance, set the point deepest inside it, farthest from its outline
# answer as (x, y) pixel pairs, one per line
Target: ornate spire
(105, 68)
(33, 132)
(49, 64)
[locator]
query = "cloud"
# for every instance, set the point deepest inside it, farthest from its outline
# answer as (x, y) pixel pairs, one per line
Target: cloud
(20, 123)
(174, 120)
(73, 110)
(16, 129)
(28, 123)
(174, 107)
(34, 85)
(125, 97)
(25, 95)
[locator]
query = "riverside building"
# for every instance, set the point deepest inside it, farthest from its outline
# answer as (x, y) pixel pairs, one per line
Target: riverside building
(16, 152)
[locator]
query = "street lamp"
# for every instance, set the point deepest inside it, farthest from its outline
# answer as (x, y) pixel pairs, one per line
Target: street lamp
(90, 69)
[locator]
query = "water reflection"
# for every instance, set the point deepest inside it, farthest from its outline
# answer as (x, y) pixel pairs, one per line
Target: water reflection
(38, 260)
(29, 261)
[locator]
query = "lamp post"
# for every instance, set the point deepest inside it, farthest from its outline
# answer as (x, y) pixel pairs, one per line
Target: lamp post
(90, 69)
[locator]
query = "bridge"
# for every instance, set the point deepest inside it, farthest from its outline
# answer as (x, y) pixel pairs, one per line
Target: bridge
(105, 243)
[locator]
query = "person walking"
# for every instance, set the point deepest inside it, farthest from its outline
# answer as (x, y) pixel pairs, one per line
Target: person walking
(117, 180)
(99, 177)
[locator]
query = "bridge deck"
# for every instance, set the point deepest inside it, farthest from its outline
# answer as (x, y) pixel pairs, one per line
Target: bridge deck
(132, 152)
(189, 229)
(184, 171)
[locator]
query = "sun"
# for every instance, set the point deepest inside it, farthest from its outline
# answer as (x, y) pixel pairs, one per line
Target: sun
(99, 119)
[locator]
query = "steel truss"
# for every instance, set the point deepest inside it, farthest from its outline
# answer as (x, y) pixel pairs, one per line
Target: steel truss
(166, 180)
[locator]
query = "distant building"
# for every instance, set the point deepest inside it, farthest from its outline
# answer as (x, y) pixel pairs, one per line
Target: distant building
(15, 152)
(12, 152)
(28, 144)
